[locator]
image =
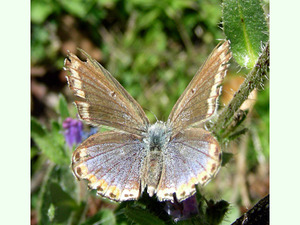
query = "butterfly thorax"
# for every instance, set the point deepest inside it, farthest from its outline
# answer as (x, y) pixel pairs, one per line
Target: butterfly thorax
(158, 136)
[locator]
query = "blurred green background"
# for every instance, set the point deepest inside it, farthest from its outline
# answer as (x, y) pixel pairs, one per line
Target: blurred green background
(153, 48)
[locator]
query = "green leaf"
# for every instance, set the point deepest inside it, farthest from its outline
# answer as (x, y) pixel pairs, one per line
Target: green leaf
(56, 204)
(246, 28)
(57, 136)
(45, 211)
(226, 157)
(60, 197)
(216, 211)
(103, 217)
(77, 8)
(51, 212)
(33, 152)
(142, 216)
(261, 108)
(148, 19)
(63, 107)
(40, 10)
(48, 143)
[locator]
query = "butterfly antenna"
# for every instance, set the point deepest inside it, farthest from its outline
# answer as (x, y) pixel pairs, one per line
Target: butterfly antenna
(152, 114)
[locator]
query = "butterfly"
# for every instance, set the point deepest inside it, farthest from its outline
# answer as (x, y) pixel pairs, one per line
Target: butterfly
(166, 158)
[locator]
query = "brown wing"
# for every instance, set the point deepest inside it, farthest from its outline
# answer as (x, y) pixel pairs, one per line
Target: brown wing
(199, 100)
(111, 162)
(103, 99)
(191, 157)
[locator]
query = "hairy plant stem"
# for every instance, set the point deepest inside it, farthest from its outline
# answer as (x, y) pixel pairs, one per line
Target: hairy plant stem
(258, 75)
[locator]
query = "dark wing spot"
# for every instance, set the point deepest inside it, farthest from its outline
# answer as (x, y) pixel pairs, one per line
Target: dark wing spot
(213, 168)
(78, 171)
(112, 195)
(182, 194)
(77, 156)
(99, 188)
(216, 153)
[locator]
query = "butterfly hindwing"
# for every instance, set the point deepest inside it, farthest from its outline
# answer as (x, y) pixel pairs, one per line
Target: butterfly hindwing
(192, 157)
(111, 162)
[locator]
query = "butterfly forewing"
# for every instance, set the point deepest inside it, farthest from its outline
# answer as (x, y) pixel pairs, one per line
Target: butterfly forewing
(111, 162)
(103, 99)
(193, 156)
(199, 100)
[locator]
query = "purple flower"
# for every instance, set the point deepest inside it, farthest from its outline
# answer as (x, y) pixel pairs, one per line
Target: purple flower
(182, 210)
(73, 131)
